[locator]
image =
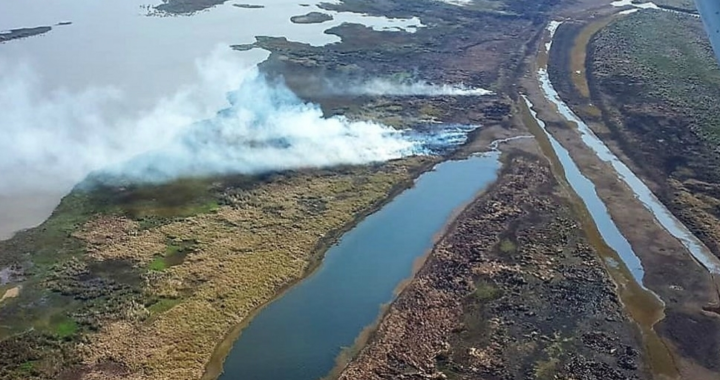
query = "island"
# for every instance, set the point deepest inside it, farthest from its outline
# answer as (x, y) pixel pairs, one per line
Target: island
(311, 18)
(15, 34)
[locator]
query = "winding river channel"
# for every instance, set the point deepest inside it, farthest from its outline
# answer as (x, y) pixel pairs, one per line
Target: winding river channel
(299, 336)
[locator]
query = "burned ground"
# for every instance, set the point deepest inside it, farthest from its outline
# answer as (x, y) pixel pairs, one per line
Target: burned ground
(514, 290)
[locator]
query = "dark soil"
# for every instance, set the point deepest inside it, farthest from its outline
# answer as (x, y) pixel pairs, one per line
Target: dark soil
(186, 7)
(656, 117)
(659, 92)
(311, 18)
(15, 34)
(513, 291)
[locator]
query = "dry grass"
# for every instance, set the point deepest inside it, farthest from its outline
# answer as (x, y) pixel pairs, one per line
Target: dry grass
(244, 253)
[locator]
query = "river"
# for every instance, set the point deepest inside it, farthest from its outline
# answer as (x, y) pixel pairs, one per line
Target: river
(299, 336)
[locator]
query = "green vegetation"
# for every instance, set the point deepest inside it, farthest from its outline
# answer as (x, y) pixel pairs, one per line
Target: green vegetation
(28, 366)
(158, 264)
(65, 327)
(163, 305)
(486, 292)
(658, 83)
(507, 246)
(110, 266)
(181, 198)
(667, 59)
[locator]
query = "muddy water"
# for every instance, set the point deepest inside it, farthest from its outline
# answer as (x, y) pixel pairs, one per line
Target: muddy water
(146, 60)
(298, 336)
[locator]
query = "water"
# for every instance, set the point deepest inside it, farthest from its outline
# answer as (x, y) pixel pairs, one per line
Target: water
(662, 215)
(585, 189)
(299, 336)
(114, 45)
(643, 305)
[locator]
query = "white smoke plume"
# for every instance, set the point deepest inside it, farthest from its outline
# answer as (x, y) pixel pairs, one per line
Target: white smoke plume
(265, 128)
(53, 140)
(384, 87)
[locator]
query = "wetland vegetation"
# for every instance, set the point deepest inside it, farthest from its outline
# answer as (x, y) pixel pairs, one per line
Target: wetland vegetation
(116, 276)
(656, 77)
(143, 281)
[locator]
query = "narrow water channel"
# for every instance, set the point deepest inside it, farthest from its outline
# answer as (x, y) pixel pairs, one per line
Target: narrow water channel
(662, 215)
(623, 265)
(299, 336)
(643, 305)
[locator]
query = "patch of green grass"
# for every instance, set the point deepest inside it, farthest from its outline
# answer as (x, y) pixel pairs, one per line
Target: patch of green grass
(507, 246)
(158, 264)
(485, 292)
(163, 305)
(28, 366)
(65, 328)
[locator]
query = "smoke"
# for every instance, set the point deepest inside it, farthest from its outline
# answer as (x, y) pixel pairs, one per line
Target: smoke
(383, 87)
(53, 140)
(265, 128)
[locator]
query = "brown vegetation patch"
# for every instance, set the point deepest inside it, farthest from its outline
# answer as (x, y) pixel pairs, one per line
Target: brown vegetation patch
(485, 308)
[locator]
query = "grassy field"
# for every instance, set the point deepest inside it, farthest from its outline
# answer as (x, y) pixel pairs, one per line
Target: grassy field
(143, 282)
(656, 78)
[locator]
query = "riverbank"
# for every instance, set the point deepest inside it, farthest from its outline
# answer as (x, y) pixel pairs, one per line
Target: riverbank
(515, 256)
(143, 282)
(123, 321)
(681, 291)
(670, 270)
(214, 367)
